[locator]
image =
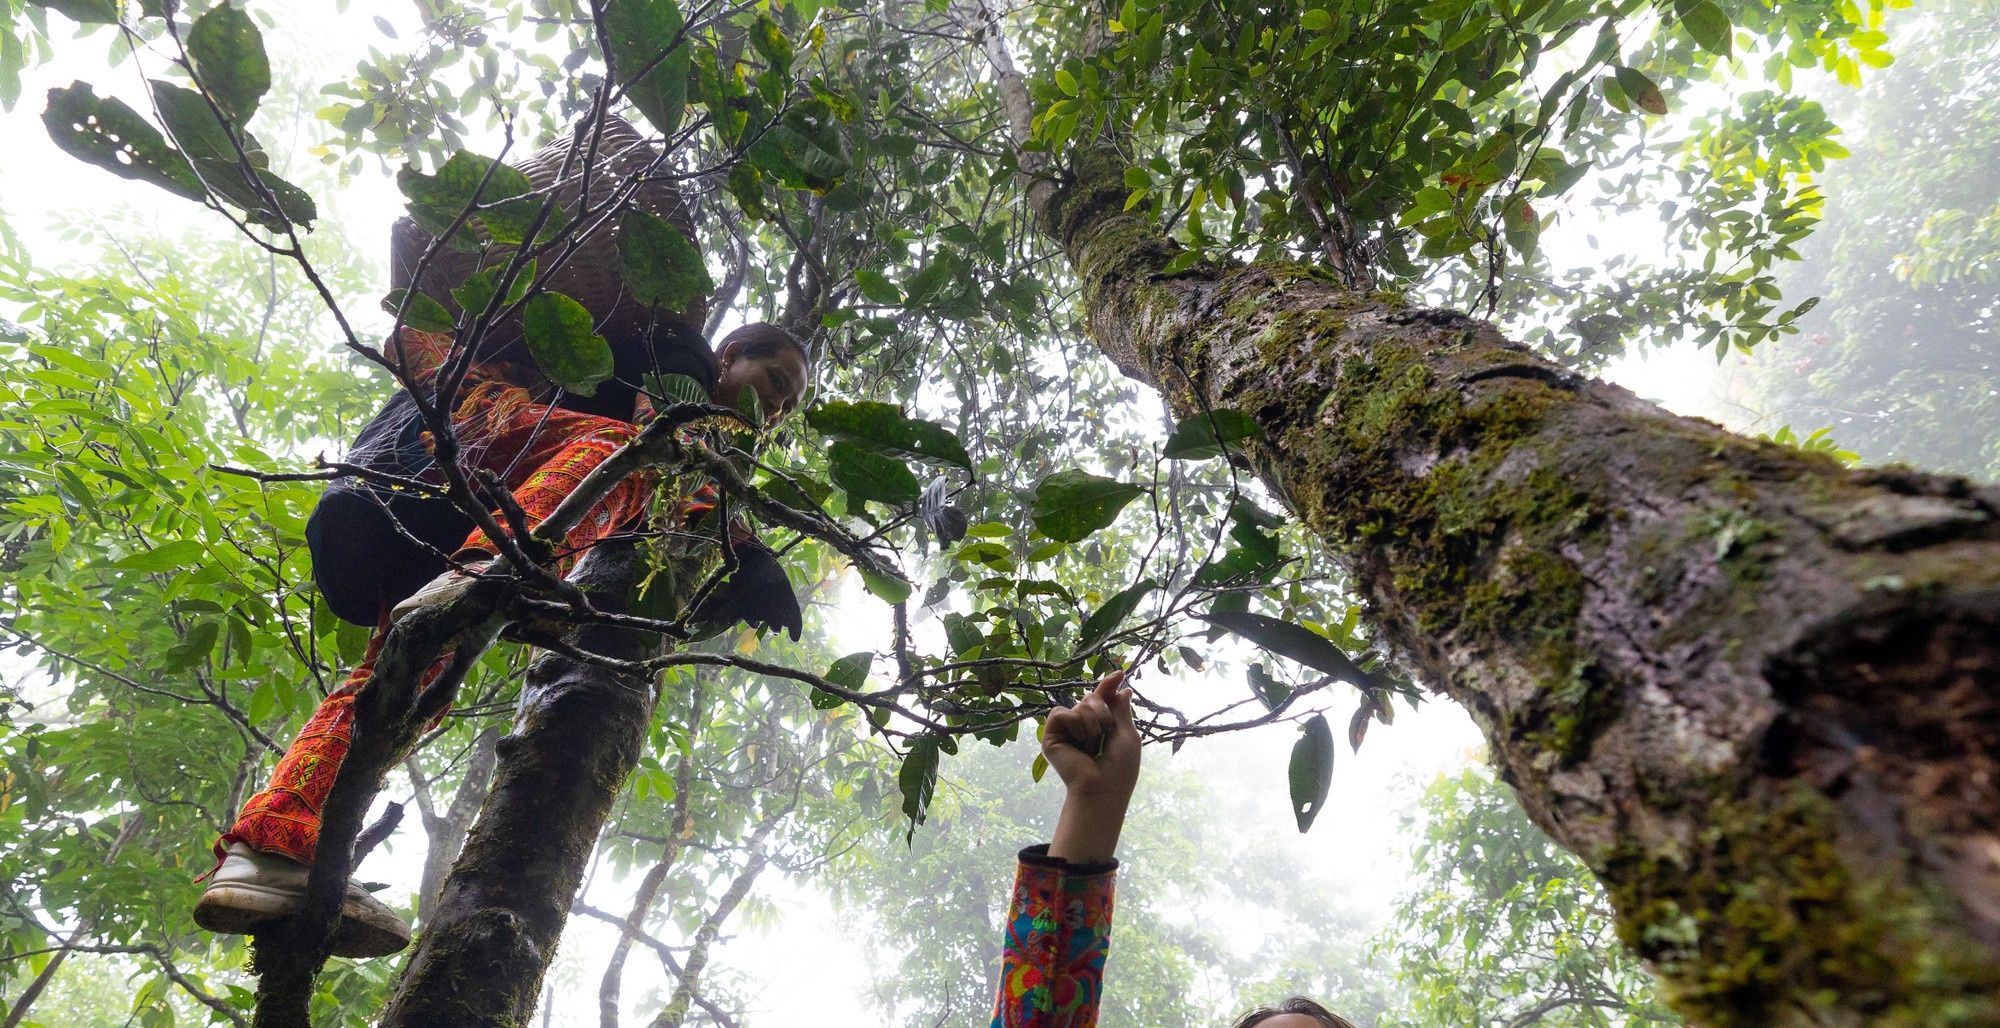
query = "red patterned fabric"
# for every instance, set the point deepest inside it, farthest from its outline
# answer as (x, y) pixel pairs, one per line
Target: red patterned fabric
(542, 453)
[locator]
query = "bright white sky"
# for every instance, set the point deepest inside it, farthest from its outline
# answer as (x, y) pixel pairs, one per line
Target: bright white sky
(814, 968)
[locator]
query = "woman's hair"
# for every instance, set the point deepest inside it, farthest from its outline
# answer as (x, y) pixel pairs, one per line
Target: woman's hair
(1295, 1005)
(763, 339)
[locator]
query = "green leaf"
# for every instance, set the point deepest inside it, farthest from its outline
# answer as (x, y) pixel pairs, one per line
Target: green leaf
(867, 475)
(771, 43)
(850, 673)
(640, 31)
(887, 588)
(87, 12)
(112, 136)
(877, 288)
(676, 388)
(1066, 81)
(509, 221)
(1070, 505)
(1311, 771)
(560, 336)
(883, 428)
(167, 556)
(437, 200)
(1202, 436)
(1295, 642)
(658, 264)
(917, 780)
(1709, 26)
(1641, 90)
(425, 314)
(962, 634)
(1316, 20)
(229, 60)
(193, 647)
(1105, 620)
(263, 703)
(471, 295)
(1269, 691)
(1039, 768)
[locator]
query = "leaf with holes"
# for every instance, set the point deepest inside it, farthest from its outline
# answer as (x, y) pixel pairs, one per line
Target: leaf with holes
(229, 60)
(105, 132)
(1105, 620)
(1269, 691)
(1202, 436)
(658, 264)
(883, 428)
(565, 348)
(1295, 642)
(1311, 771)
(655, 77)
(1070, 505)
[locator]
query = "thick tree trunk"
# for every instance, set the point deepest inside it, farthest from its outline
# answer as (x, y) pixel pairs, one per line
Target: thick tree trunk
(579, 732)
(1757, 691)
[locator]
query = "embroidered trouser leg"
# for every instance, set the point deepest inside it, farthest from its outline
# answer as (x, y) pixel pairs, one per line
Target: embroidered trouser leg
(542, 454)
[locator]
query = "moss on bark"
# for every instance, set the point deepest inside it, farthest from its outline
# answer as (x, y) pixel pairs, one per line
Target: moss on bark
(1674, 639)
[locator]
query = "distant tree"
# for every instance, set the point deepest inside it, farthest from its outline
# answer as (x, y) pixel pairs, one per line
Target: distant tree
(1901, 357)
(1502, 929)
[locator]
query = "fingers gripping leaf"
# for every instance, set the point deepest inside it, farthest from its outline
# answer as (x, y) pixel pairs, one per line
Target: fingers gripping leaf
(1311, 771)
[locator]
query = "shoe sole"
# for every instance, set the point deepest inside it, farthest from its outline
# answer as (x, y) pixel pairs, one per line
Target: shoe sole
(244, 910)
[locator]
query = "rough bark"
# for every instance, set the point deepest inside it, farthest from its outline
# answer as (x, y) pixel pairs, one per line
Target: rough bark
(1757, 691)
(578, 734)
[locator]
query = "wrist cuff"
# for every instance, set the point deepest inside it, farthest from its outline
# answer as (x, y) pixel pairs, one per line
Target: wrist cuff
(1038, 856)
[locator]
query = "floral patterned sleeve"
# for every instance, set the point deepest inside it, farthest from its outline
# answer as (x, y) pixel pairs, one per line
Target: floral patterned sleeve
(1058, 931)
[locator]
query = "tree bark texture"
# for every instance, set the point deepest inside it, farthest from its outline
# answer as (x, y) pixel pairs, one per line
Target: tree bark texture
(578, 734)
(1758, 692)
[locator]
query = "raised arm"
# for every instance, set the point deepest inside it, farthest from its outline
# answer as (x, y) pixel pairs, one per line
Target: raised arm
(1059, 920)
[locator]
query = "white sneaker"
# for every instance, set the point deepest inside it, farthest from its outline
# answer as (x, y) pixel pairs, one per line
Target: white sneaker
(252, 889)
(442, 589)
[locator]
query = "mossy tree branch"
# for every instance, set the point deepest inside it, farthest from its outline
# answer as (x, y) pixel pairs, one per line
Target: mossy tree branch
(1757, 691)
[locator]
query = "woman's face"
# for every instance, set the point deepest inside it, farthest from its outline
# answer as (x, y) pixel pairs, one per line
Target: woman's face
(779, 380)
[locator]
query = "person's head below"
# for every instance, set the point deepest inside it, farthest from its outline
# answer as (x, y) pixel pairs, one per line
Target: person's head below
(767, 359)
(1297, 1012)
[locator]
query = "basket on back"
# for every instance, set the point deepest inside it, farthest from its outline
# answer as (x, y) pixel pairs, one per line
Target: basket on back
(589, 275)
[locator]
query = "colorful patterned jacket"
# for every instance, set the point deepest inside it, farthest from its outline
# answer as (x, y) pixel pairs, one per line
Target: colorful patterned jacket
(1058, 931)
